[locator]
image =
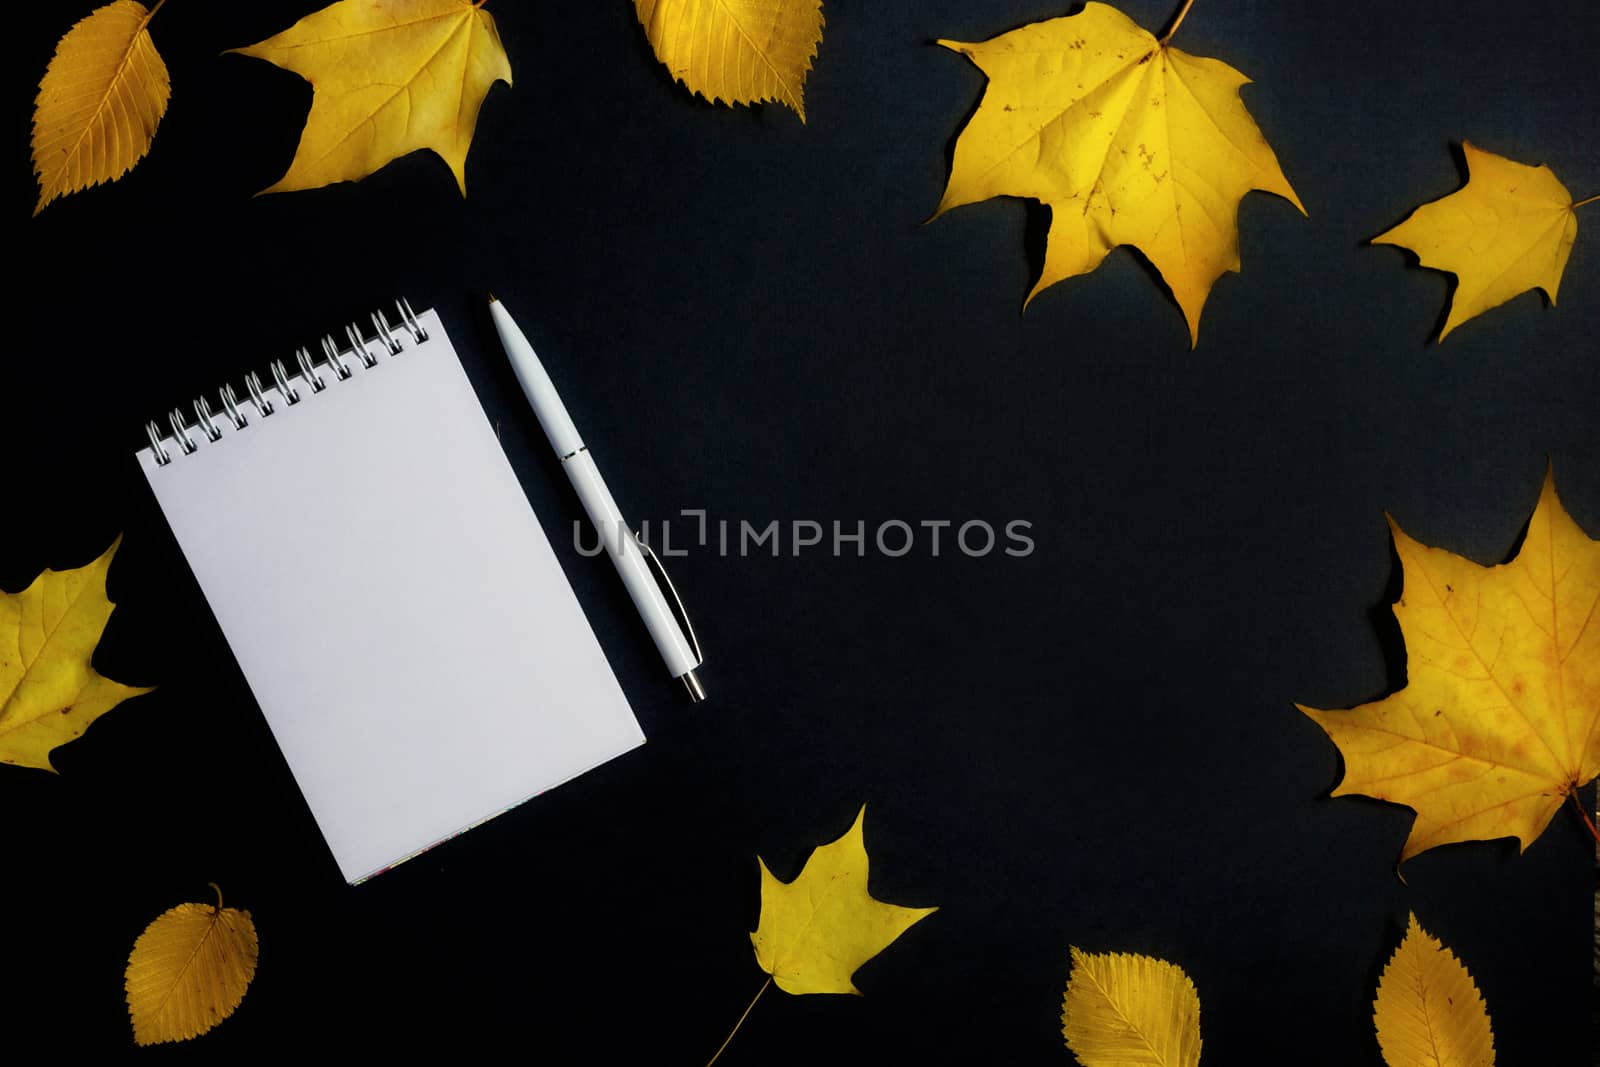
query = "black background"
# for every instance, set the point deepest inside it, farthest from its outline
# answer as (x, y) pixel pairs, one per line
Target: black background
(1094, 745)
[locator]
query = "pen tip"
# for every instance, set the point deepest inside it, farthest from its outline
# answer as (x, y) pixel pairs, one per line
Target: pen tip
(492, 300)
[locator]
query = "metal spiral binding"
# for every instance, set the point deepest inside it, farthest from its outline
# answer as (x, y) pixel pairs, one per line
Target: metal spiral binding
(341, 364)
(230, 401)
(202, 411)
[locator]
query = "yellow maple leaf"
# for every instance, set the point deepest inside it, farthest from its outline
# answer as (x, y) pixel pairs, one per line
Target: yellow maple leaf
(389, 77)
(49, 693)
(189, 970)
(1122, 1010)
(1428, 1012)
(100, 101)
(1508, 230)
(1499, 720)
(736, 51)
(816, 931)
(1126, 139)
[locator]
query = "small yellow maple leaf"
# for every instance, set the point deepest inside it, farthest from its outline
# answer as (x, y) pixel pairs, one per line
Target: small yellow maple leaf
(1499, 721)
(1122, 1009)
(1508, 230)
(1126, 139)
(815, 931)
(189, 970)
(100, 101)
(389, 77)
(49, 693)
(1428, 1012)
(736, 51)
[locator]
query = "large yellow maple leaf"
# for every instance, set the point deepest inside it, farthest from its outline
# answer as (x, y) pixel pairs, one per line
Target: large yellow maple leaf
(49, 693)
(736, 51)
(1126, 139)
(100, 101)
(1427, 1011)
(1508, 230)
(388, 77)
(1499, 721)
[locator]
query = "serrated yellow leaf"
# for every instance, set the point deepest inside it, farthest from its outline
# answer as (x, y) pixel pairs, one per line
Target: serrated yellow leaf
(1508, 230)
(1499, 720)
(1428, 1012)
(816, 931)
(1125, 1010)
(49, 693)
(1126, 139)
(99, 103)
(189, 970)
(736, 51)
(389, 77)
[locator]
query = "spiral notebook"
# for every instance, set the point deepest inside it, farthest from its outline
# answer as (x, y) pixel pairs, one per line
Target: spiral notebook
(396, 608)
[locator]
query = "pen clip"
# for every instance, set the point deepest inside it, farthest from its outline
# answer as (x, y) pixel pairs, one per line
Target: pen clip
(679, 611)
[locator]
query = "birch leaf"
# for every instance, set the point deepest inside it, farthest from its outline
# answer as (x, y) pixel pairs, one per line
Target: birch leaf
(49, 693)
(189, 970)
(1428, 1012)
(388, 77)
(736, 51)
(816, 931)
(1124, 1010)
(1499, 721)
(100, 101)
(1508, 230)
(1126, 139)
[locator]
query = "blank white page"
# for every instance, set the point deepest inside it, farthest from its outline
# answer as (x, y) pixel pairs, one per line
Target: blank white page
(391, 598)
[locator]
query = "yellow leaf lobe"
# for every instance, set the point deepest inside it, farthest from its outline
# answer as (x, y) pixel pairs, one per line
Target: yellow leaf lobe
(1428, 1013)
(49, 692)
(100, 101)
(816, 931)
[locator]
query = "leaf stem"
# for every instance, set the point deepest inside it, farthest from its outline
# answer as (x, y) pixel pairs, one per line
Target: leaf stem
(218, 890)
(1591, 200)
(740, 1023)
(153, 11)
(1184, 10)
(1584, 815)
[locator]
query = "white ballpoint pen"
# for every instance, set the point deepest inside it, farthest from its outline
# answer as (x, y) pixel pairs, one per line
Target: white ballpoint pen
(633, 558)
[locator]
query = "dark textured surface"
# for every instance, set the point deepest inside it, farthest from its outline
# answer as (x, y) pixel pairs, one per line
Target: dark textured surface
(1094, 745)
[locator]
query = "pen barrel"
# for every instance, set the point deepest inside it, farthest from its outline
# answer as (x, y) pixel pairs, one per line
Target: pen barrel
(536, 384)
(630, 563)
